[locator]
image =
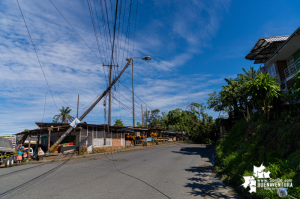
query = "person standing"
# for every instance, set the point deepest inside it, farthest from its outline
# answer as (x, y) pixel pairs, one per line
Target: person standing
(19, 158)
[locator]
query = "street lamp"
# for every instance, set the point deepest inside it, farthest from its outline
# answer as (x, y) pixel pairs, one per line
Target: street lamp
(143, 58)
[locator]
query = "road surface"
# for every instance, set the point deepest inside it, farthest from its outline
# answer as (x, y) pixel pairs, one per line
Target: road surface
(169, 171)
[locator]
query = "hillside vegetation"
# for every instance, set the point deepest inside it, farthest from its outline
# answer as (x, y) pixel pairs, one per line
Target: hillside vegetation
(267, 131)
(276, 145)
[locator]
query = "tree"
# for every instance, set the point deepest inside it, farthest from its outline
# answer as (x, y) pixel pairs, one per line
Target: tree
(230, 95)
(249, 74)
(118, 122)
(234, 98)
(164, 121)
(214, 102)
(138, 124)
(154, 119)
(263, 90)
(64, 115)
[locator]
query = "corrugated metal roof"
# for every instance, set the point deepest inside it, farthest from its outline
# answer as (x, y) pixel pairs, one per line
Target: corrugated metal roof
(277, 38)
(265, 47)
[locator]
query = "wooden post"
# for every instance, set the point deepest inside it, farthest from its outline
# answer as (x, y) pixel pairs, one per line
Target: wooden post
(161, 136)
(28, 153)
(49, 135)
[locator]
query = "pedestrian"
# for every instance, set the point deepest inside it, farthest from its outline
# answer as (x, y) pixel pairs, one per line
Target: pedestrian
(20, 147)
(19, 158)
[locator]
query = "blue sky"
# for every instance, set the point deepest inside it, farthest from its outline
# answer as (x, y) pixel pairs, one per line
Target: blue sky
(194, 45)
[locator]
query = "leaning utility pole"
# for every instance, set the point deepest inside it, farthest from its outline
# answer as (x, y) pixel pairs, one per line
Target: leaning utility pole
(75, 122)
(109, 100)
(142, 115)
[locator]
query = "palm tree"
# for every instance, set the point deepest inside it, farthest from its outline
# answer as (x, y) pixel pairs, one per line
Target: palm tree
(249, 74)
(64, 115)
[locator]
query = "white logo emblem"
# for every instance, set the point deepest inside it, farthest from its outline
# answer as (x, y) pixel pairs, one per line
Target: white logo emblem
(264, 180)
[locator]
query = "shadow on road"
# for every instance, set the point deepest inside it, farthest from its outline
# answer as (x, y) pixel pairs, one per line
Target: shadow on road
(202, 183)
(205, 151)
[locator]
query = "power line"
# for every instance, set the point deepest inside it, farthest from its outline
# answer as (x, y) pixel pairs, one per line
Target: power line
(136, 95)
(95, 31)
(102, 38)
(75, 30)
(137, 5)
(36, 52)
(114, 37)
(128, 106)
(77, 34)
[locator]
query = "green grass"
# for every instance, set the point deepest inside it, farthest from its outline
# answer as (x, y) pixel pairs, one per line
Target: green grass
(276, 145)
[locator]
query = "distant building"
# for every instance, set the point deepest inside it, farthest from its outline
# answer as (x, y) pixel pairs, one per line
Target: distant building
(280, 56)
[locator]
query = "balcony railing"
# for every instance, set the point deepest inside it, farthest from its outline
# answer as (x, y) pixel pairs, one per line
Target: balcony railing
(290, 72)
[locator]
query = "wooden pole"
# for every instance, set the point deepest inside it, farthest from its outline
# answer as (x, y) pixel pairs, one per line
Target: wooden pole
(146, 117)
(49, 135)
(109, 100)
(29, 155)
(133, 119)
(77, 105)
(142, 115)
(109, 105)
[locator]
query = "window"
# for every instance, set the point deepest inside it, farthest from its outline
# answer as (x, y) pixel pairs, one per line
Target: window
(272, 70)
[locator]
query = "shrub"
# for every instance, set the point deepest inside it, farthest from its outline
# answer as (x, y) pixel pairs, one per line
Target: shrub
(275, 144)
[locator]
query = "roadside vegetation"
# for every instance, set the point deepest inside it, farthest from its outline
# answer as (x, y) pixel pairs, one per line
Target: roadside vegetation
(266, 131)
(198, 125)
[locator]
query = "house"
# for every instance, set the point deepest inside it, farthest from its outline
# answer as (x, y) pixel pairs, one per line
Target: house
(90, 136)
(280, 56)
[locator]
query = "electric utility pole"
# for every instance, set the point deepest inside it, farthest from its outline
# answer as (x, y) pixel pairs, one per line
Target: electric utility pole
(109, 100)
(77, 105)
(146, 117)
(89, 109)
(142, 115)
(133, 97)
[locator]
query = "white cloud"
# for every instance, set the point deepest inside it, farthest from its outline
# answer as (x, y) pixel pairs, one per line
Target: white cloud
(71, 68)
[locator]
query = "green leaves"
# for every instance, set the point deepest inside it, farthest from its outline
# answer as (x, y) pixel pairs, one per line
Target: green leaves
(64, 115)
(263, 90)
(118, 122)
(252, 89)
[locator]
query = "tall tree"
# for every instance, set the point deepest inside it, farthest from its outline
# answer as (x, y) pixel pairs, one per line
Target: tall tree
(64, 115)
(230, 94)
(249, 74)
(118, 122)
(154, 119)
(263, 90)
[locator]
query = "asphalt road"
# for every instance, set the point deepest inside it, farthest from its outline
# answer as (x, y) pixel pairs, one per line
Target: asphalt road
(170, 171)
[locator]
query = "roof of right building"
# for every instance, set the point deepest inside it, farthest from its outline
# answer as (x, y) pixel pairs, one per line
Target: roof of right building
(277, 47)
